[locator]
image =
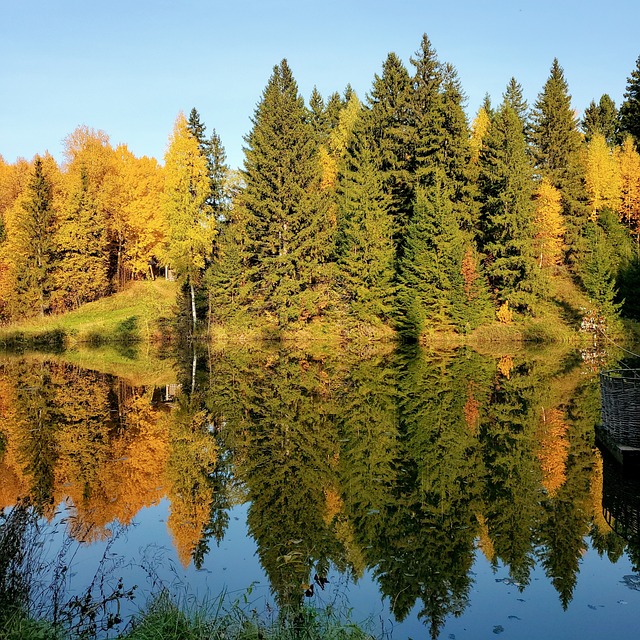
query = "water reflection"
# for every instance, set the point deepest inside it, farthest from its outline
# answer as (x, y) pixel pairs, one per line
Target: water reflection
(401, 463)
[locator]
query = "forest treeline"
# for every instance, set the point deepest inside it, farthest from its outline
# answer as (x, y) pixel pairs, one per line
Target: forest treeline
(392, 211)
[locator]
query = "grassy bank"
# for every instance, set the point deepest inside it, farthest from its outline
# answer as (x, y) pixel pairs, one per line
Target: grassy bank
(139, 313)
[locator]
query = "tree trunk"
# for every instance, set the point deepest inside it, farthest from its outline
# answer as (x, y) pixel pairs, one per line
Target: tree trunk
(193, 305)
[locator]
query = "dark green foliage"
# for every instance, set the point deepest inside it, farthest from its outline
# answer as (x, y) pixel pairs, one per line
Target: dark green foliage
(365, 235)
(289, 234)
(36, 260)
(630, 107)
(514, 98)
(427, 114)
(430, 281)
(390, 113)
(213, 150)
(556, 144)
(601, 118)
(598, 268)
(506, 188)
(455, 154)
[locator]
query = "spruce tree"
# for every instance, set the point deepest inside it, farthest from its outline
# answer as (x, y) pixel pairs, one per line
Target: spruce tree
(507, 213)
(601, 118)
(389, 122)
(430, 281)
(32, 245)
(365, 234)
(630, 108)
(427, 114)
(456, 151)
(288, 227)
(514, 98)
(556, 144)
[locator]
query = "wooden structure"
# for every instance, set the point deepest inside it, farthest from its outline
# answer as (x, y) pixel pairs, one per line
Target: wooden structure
(620, 429)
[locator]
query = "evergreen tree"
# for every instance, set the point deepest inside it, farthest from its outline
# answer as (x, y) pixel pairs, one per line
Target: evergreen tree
(630, 108)
(506, 190)
(557, 153)
(430, 281)
(365, 235)
(456, 151)
(389, 117)
(598, 269)
(289, 231)
(215, 155)
(601, 118)
(514, 98)
(31, 245)
(427, 113)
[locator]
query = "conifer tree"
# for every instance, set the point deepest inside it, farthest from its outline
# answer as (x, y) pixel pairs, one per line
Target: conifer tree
(601, 118)
(365, 235)
(289, 231)
(514, 98)
(630, 108)
(427, 113)
(456, 151)
(30, 246)
(506, 188)
(390, 116)
(430, 281)
(556, 145)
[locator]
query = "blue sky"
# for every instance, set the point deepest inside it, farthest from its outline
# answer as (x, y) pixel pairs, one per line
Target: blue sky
(129, 66)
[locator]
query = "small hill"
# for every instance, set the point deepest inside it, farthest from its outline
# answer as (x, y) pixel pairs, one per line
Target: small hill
(139, 313)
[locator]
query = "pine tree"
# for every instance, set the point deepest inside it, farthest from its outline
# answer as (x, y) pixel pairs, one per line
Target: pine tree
(601, 118)
(556, 145)
(630, 108)
(506, 187)
(289, 231)
(365, 235)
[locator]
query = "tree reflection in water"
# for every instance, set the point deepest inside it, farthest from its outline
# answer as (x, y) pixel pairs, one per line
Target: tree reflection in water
(398, 462)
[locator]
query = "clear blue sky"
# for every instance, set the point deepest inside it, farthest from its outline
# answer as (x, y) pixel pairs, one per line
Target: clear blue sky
(129, 66)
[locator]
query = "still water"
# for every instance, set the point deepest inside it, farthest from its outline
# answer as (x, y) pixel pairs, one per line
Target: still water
(450, 493)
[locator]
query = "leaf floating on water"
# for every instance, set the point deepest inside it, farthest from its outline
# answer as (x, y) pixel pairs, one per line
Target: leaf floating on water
(514, 618)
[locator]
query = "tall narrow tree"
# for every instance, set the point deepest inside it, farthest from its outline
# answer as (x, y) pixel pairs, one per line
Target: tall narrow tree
(557, 153)
(188, 216)
(288, 227)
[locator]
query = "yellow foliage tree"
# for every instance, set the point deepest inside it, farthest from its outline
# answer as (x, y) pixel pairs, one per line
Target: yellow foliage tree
(554, 450)
(549, 225)
(602, 176)
(188, 218)
(629, 163)
(136, 225)
(479, 128)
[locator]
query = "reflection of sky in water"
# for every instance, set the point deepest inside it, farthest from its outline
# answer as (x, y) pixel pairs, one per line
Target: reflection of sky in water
(602, 605)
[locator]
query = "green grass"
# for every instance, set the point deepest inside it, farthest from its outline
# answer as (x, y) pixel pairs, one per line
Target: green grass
(136, 314)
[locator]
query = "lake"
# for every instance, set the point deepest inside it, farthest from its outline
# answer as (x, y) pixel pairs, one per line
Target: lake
(443, 493)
